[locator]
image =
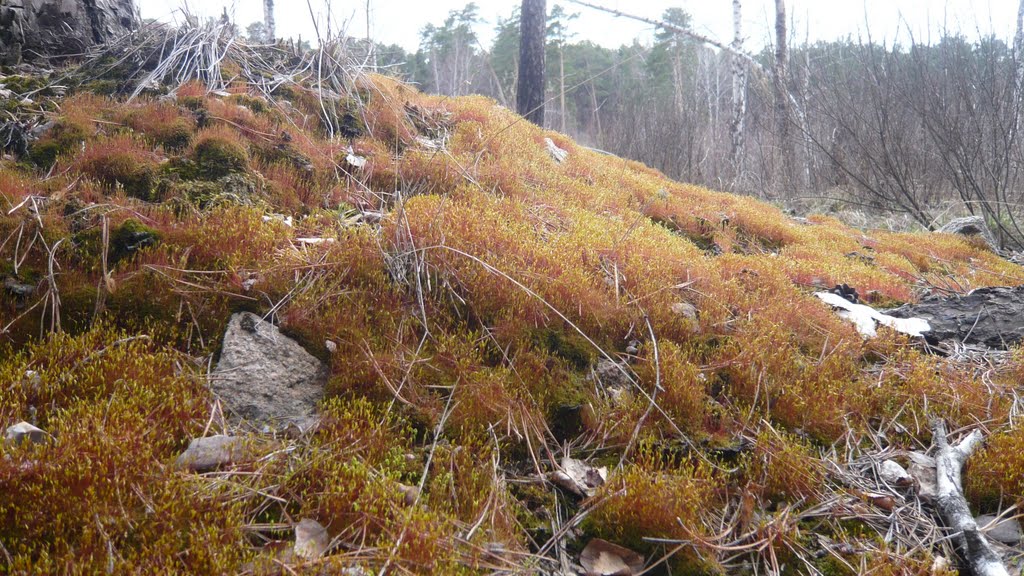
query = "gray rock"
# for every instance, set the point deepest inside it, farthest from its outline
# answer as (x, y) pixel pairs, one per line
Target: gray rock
(685, 309)
(311, 539)
(970, 226)
(1006, 530)
(18, 289)
(992, 317)
(210, 453)
(33, 29)
(265, 377)
(25, 432)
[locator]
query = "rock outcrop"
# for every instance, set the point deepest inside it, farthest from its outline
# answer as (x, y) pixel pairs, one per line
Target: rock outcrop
(33, 29)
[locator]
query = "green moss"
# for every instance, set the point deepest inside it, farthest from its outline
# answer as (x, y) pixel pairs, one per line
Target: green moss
(535, 506)
(257, 105)
(64, 137)
(231, 189)
(128, 239)
(176, 135)
(78, 307)
(570, 347)
(216, 157)
(105, 86)
(194, 103)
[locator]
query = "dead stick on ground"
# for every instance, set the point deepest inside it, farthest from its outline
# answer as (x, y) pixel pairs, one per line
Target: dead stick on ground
(952, 505)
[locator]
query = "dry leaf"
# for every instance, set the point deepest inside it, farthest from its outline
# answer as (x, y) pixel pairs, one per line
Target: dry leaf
(602, 558)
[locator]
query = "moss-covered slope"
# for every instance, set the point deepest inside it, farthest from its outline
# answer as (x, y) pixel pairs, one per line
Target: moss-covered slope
(464, 288)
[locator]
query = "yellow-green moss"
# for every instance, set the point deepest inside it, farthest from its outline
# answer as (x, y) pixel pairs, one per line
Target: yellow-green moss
(216, 156)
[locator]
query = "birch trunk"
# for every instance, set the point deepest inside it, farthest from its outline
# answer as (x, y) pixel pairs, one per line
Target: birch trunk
(268, 20)
(739, 89)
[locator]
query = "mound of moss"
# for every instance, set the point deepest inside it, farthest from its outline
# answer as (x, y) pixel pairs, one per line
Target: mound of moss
(486, 313)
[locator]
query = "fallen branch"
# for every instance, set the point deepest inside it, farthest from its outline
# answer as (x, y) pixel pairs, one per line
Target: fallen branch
(952, 506)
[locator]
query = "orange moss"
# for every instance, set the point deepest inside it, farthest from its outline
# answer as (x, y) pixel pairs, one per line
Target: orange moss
(120, 163)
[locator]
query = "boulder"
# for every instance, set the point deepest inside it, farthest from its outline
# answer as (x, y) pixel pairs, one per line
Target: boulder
(33, 29)
(992, 317)
(970, 226)
(265, 377)
(210, 453)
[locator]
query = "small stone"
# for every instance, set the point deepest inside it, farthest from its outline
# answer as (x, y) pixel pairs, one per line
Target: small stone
(210, 453)
(410, 494)
(685, 309)
(355, 160)
(25, 432)
(1006, 530)
(311, 539)
(893, 474)
(331, 346)
(602, 558)
(18, 289)
(579, 477)
(33, 382)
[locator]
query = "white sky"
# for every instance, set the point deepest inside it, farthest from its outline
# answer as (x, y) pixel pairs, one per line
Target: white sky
(399, 21)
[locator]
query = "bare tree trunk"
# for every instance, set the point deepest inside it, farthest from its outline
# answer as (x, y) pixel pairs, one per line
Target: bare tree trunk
(530, 92)
(561, 86)
(595, 112)
(1018, 62)
(739, 89)
(268, 20)
(371, 53)
(781, 78)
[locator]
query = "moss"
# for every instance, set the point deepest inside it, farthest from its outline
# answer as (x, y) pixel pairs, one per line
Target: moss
(570, 347)
(216, 157)
(257, 105)
(237, 189)
(78, 307)
(63, 138)
(128, 239)
(106, 86)
(194, 103)
(124, 170)
(453, 308)
(176, 135)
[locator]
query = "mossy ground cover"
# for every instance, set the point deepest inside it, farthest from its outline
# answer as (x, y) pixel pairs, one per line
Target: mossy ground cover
(461, 327)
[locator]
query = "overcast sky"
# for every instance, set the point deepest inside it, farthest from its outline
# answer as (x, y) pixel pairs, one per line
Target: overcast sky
(399, 21)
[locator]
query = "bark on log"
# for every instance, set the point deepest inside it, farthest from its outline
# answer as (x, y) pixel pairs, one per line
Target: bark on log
(992, 317)
(952, 506)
